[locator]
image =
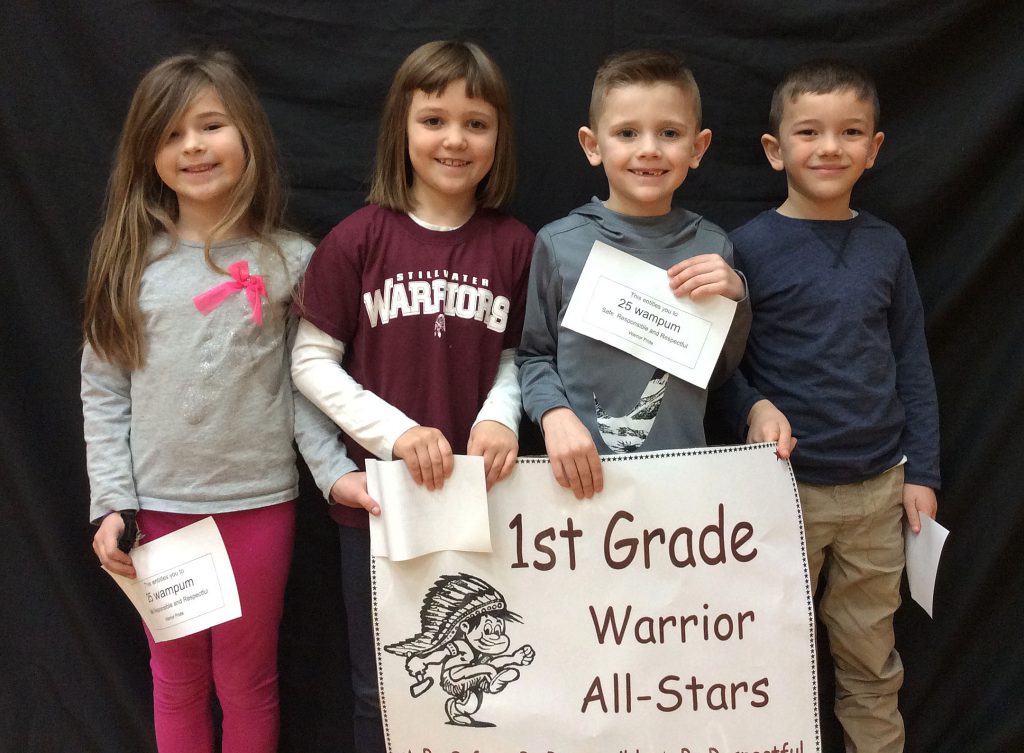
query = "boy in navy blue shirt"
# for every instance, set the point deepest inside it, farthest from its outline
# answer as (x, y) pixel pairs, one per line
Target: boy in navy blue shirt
(837, 357)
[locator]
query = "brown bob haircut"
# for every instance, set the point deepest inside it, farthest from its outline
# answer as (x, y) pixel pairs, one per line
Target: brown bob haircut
(644, 67)
(431, 68)
(821, 77)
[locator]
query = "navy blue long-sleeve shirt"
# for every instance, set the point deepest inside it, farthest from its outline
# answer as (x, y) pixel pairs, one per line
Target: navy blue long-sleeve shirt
(837, 344)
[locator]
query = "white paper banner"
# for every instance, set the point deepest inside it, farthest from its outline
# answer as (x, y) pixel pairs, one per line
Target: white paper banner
(672, 612)
(185, 583)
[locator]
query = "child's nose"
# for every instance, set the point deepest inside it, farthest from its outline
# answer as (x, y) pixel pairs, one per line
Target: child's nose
(829, 144)
(193, 141)
(648, 145)
(454, 138)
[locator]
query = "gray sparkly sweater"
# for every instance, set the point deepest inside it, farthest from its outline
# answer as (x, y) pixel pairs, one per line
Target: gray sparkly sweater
(207, 424)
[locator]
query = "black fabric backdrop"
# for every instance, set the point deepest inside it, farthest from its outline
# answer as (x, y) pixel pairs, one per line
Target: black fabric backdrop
(951, 78)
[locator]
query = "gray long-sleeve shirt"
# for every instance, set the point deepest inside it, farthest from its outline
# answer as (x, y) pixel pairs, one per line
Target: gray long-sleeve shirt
(207, 424)
(626, 404)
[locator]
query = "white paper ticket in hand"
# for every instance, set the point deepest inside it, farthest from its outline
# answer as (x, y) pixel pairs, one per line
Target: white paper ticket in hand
(185, 583)
(627, 303)
(414, 521)
(923, 551)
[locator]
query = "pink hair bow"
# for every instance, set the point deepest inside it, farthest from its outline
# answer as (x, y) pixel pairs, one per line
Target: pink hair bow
(253, 286)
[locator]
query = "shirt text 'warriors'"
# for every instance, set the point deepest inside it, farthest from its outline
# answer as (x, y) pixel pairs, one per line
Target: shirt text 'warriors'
(434, 292)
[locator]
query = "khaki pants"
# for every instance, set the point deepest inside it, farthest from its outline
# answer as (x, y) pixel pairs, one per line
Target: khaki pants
(855, 535)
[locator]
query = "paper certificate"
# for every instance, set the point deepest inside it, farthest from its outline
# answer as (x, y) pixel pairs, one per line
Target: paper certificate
(185, 583)
(627, 303)
(923, 551)
(414, 521)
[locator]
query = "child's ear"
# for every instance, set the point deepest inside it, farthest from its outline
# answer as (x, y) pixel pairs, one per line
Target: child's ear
(772, 151)
(590, 148)
(876, 144)
(701, 142)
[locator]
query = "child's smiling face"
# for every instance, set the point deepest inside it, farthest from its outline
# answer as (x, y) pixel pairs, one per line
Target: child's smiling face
(825, 143)
(647, 139)
(451, 140)
(201, 157)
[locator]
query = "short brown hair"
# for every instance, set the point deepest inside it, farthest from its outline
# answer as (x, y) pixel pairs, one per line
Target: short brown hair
(642, 67)
(431, 68)
(821, 77)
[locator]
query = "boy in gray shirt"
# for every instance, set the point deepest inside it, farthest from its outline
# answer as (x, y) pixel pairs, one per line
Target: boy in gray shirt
(590, 397)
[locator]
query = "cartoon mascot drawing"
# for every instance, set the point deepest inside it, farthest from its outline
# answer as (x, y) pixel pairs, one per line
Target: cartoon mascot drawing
(462, 629)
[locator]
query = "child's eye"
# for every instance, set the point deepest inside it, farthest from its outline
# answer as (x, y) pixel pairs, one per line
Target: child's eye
(172, 136)
(670, 133)
(853, 132)
(805, 132)
(628, 133)
(477, 125)
(431, 122)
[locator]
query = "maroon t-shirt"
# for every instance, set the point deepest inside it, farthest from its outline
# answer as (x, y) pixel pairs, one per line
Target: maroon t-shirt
(424, 314)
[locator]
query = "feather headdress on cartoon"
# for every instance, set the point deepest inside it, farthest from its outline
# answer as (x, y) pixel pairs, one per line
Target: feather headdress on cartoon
(452, 599)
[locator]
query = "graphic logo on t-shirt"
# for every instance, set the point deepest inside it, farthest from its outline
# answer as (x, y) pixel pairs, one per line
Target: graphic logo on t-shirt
(626, 433)
(439, 293)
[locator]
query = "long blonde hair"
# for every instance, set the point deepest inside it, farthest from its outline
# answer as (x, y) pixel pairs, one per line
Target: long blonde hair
(138, 205)
(430, 68)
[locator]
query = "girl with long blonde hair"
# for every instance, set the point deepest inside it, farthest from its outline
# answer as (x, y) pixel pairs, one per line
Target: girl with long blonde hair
(189, 409)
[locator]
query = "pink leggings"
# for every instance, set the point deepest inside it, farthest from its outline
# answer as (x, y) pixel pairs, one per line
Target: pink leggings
(239, 657)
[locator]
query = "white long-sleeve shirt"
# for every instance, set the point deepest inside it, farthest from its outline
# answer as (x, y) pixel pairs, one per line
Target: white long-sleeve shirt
(369, 420)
